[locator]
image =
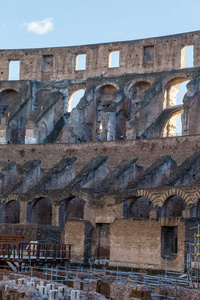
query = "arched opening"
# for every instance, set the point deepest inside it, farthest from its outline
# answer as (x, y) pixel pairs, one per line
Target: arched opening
(138, 208)
(74, 209)
(12, 212)
(75, 99)
(106, 119)
(41, 212)
(173, 126)
(175, 91)
(42, 132)
(173, 207)
(6, 99)
(174, 94)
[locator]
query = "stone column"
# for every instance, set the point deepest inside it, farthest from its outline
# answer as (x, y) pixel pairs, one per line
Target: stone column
(23, 212)
(55, 215)
(153, 214)
(111, 132)
(3, 133)
(78, 233)
(186, 213)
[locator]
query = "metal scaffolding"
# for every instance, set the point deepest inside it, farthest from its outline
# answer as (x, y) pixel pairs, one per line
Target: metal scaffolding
(193, 259)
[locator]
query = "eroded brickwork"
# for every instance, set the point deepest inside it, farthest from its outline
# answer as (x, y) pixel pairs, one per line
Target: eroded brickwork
(118, 198)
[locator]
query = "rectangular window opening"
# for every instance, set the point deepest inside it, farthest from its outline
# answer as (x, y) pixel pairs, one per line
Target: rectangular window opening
(114, 59)
(169, 240)
(148, 55)
(189, 56)
(47, 63)
(80, 62)
(14, 70)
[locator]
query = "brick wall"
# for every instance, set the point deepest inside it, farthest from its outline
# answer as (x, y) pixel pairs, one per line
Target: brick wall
(147, 150)
(140, 56)
(137, 244)
(78, 234)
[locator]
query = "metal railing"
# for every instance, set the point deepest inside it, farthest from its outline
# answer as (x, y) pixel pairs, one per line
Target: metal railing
(31, 251)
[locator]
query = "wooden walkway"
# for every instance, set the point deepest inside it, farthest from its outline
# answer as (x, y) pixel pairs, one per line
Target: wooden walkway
(34, 252)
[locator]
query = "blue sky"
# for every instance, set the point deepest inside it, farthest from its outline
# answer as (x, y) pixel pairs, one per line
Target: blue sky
(50, 23)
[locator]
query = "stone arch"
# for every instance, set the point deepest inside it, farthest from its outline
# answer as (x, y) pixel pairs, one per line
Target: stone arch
(145, 193)
(169, 128)
(9, 88)
(139, 206)
(75, 95)
(173, 207)
(98, 87)
(12, 212)
(104, 97)
(12, 197)
(171, 90)
(175, 192)
(40, 211)
(6, 98)
(135, 82)
(74, 208)
(197, 195)
(157, 202)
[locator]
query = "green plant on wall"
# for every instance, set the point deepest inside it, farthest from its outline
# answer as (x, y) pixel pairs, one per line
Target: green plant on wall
(22, 152)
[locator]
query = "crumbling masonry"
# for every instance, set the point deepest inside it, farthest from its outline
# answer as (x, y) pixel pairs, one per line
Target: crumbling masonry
(129, 201)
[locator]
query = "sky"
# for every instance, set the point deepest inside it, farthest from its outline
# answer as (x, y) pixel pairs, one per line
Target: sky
(50, 23)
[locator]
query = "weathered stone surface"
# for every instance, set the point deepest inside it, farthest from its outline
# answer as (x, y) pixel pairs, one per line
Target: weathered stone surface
(119, 178)
(187, 173)
(15, 291)
(156, 175)
(128, 291)
(103, 206)
(182, 293)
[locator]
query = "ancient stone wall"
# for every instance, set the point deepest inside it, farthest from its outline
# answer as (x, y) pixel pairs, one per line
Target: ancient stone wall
(137, 244)
(140, 56)
(147, 150)
(78, 234)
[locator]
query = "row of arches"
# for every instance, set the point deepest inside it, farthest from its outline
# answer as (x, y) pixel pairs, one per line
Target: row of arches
(140, 208)
(40, 211)
(130, 109)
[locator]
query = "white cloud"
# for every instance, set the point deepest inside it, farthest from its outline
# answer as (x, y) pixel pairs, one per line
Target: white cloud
(40, 27)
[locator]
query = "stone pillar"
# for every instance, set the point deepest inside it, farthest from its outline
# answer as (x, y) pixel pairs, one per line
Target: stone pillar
(30, 131)
(3, 133)
(55, 215)
(186, 213)
(23, 212)
(153, 214)
(78, 233)
(111, 126)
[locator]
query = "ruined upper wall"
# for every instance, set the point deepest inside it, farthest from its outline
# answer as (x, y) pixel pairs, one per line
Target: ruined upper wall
(139, 56)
